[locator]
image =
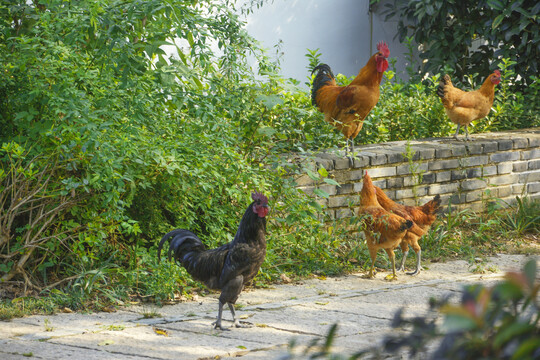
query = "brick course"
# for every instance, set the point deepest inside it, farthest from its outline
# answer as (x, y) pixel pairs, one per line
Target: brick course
(504, 165)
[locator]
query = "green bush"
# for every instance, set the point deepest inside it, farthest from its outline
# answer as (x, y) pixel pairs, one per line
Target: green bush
(94, 113)
(107, 142)
(471, 37)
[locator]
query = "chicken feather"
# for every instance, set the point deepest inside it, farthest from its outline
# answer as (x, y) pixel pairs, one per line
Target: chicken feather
(383, 229)
(464, 107)
(230, 266)
(422, 217)
(346, 107)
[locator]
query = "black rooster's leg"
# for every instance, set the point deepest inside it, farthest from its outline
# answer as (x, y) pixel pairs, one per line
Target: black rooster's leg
(217, 324)
(402, 264)
(418, 264)
(235, 319)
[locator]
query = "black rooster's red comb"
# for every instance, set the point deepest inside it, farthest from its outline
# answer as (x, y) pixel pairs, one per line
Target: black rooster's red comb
(259, 196)
(382, 47)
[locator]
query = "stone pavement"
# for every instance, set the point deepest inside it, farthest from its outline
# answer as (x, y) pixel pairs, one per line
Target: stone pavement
(363, 308)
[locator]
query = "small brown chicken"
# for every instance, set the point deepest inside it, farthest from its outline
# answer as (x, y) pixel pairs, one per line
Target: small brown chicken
(422, 216)
(464, 107)
(383, 229)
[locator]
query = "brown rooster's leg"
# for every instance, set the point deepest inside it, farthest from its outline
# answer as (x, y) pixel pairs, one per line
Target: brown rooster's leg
(402, 264)
(235, 320)
(418, 264)
(392, 257)
(467, 133)
(373, 255)
(457, 132)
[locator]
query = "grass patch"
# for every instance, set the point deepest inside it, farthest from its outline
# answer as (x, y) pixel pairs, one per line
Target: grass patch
(504, 228)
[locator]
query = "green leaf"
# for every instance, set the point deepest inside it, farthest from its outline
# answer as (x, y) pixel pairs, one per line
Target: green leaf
(510, 332)
(331, 181)
(527, 348)
(312, 175)
(456, 322)
(496, 4)
(267, 131)
(270, 101)
(497, 21)
(321, 193)
(323, 172)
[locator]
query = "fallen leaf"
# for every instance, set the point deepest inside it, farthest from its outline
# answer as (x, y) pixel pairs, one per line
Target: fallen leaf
(321, 303)
(161, 332)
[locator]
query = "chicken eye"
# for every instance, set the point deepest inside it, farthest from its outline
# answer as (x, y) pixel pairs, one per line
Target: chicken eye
(351, 112)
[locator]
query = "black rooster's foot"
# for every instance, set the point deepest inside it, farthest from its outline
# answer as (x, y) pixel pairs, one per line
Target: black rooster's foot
(242, 324)
(218, 326)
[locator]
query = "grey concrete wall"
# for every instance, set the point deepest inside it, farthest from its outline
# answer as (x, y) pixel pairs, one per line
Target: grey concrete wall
(466, 174)
(344, 31)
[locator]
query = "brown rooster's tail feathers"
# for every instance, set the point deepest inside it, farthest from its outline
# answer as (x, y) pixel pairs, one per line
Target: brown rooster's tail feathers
(442, 84)
(406, 225)
(323, 77)
(181, 243)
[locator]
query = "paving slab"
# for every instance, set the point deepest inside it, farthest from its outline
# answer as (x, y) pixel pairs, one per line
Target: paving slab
(300, 312)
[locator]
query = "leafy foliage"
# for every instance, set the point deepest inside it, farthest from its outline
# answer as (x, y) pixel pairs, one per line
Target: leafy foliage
(471, 37)
(108, 141)
(501, 322)
(142, 141)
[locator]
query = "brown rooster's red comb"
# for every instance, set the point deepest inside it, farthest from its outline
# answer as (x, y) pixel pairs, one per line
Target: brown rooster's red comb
(382, 47)
(497, 73)
(259, 196)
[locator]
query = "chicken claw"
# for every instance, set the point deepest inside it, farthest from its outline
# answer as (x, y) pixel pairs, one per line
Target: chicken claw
(391, 277)
(243, 324)
(217, 325)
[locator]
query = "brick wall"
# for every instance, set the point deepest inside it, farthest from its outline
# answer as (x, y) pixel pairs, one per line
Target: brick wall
(502, 165)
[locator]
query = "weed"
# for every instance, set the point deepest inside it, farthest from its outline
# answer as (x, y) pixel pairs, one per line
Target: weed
(414, 169)
(150, 314)
(47, 324)
(521, 217)
(114, 327)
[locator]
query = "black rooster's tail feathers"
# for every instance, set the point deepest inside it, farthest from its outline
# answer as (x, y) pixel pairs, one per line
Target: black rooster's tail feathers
(181, 243)
(324, 75)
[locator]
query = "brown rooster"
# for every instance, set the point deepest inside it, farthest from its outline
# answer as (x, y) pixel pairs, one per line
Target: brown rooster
(422, 216)
(346, 107)
(383, 229)
(464, 107)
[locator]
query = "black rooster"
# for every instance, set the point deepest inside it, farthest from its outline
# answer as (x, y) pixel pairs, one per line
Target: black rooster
(230, 266)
